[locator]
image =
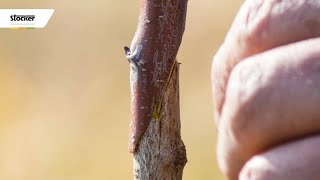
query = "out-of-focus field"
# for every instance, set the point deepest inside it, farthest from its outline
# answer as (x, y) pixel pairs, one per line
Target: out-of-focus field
(64, 92)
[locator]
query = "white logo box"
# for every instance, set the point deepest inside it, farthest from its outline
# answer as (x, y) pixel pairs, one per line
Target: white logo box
(22, 18)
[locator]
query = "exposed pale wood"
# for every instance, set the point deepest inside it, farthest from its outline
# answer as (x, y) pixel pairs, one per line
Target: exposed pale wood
(161, 153)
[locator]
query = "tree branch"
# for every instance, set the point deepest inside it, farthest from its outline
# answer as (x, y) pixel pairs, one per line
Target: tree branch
(154, 138)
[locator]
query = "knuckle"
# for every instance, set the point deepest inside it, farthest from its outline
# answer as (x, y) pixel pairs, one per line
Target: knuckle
(257, 168)
(226, 162)
(258, 19)
(224, 168)
(243, 98)
(272, 23)
(245, 80)
(219, 75)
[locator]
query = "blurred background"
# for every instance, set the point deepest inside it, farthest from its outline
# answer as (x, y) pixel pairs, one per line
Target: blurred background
(64, 92)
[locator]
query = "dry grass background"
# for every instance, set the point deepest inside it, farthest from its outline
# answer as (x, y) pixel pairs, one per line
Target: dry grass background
(64, 93)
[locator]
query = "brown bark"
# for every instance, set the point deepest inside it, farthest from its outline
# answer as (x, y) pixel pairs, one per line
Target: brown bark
(154, 139)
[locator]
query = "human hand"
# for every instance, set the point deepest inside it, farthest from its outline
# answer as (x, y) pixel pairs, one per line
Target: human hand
(266, 82)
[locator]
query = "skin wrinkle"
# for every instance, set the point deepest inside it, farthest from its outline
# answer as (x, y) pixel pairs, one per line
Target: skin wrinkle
(254, 8)
(274, 77)
(247, 115)
(259, 36)
(278, 23)
(244, 35)
(273, 164)
(248, 77)
(256, 26)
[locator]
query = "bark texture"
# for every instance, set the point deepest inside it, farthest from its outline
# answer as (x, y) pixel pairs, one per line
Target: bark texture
(162, 154)
(154, 137)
